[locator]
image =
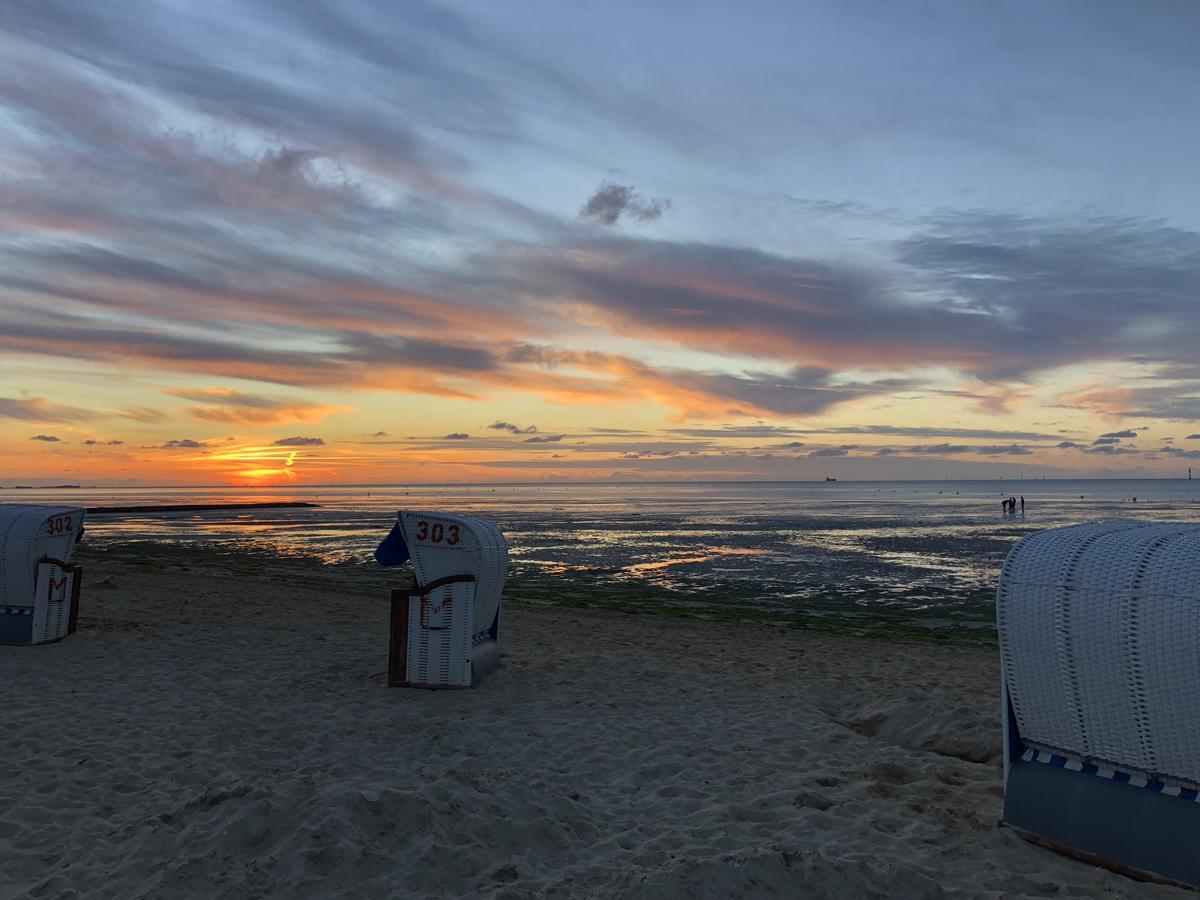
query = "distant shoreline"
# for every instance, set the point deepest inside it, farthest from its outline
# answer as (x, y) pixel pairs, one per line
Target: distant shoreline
(199, 507)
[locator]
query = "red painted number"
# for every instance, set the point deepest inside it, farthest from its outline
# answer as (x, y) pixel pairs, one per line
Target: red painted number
(437, 532)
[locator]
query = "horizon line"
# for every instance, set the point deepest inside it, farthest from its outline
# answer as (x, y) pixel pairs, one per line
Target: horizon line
(568, 482)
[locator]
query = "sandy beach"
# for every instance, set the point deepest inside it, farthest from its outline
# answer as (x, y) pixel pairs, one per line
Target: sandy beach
(213, 731)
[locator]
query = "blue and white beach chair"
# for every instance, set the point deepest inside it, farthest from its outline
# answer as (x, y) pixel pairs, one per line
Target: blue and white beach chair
(1099, 630)
(39, 588)
(446, 630)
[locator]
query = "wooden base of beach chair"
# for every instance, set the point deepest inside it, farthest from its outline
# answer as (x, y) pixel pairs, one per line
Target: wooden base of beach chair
(398, 645)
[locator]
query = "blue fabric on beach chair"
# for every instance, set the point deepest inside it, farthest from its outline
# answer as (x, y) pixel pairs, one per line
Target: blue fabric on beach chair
(392, 550)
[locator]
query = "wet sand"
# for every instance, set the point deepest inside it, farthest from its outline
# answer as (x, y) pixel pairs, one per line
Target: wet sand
(208, 734)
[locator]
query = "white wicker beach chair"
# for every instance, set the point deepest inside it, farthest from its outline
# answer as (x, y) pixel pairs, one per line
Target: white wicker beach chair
(446, 630)
(39, 588)
(1099, 629)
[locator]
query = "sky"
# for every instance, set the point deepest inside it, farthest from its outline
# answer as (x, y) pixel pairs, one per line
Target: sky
(372, 242)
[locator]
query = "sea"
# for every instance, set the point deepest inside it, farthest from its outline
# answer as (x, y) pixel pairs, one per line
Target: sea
(926, 550)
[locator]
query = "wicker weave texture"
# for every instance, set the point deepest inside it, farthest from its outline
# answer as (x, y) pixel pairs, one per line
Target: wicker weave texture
(1098, 629)
(28, 533)
(441, 655)
(442, 545)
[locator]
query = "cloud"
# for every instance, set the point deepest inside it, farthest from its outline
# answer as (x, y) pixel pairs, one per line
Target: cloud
(240, 407)
(611, 201)
(937, 449)
(515, 429)
(181, 444)
(774, 307)
(1064, 445)
(48, 438)
(145, 414)
(988, 318)
(1119, 434)
(545, 439)
(378, 434)
(38, 409)
(738, 431)
(1192, 437)
(829, 451)
(708, 394)
(158, 187)
(1107, 440)
(1004, 450)
(91, 442)
(948, 449)
(299, 442)
(457, 436)
(1066, 291)
(933, 431)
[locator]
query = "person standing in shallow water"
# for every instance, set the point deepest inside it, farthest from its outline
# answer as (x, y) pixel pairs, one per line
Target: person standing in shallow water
(1022, 506)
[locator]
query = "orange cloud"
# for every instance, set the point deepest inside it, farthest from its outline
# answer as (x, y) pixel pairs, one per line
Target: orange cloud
(1111, 403)
(252, 409)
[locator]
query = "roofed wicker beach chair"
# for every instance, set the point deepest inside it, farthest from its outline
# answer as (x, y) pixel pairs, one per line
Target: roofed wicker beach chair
(39, 588)
(446, 630)
(1099, 630)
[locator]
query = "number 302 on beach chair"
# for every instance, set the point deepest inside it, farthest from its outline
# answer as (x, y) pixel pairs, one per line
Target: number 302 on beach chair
(445, 632)
(39, 588)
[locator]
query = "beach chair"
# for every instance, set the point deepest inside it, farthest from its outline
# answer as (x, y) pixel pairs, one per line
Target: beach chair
(39, 588)
(446, 629)
(1099, 629)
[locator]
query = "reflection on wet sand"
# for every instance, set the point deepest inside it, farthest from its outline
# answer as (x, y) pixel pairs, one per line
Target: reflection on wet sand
(714, 553)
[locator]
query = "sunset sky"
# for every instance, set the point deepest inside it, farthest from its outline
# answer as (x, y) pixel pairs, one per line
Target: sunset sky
(315, 242)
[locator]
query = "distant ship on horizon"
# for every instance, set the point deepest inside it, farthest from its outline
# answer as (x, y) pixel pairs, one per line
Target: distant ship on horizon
(827, 478)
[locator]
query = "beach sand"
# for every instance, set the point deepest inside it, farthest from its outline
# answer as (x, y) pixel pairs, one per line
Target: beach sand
(216, 734)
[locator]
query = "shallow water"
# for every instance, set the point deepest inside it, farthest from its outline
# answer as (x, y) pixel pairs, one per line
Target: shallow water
(927, 549)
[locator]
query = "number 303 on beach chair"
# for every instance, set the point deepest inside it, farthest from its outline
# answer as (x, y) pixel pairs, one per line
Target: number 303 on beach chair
(39, 588)
(445, 632)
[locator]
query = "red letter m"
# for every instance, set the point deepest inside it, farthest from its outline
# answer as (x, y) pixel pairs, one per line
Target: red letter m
(58, 589)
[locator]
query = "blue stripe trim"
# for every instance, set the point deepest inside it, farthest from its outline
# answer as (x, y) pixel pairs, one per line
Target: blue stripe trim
(1159, 787)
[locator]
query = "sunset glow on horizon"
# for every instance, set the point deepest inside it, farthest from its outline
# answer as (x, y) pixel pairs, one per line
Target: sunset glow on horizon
(279, 244)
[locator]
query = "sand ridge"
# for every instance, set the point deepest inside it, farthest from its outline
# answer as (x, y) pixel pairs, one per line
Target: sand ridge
(208, 734)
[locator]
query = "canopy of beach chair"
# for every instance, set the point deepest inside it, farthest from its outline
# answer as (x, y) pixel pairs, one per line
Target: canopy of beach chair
(1099, 626)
